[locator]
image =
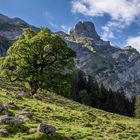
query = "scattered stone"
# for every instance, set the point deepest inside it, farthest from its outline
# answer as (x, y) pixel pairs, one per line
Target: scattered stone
(3, 132)
(10, 103)
(32, 130)
(3, 110)
(22, 94)
(24, 112)
(46, 128)
(37, 97)
(25, 118)
(47, 99)
(10, 120)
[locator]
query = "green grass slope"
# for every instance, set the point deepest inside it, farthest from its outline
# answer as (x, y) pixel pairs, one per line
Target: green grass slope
(71, 119)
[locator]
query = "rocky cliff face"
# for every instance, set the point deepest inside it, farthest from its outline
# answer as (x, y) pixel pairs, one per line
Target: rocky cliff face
(10, 28)
(113, 67)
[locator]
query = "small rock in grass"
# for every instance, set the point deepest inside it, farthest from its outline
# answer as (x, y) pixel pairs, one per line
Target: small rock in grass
(22, 94)
(46, 128)
(24, 112)
(10, 103)
(48, 100)
(32, 130)
(10, 120)
(37, 97)
(3, 132)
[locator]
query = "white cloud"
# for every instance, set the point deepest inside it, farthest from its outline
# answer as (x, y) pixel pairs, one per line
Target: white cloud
(134, 42)
(125, 10)
(121, 12)
(110, 27)
(53, 24)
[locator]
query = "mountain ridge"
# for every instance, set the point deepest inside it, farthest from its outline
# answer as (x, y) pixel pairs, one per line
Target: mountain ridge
(115, 68)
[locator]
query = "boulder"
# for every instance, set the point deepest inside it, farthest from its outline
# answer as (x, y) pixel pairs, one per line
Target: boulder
(22, 94)
(10, 120)
(46, 128)
(3, 132)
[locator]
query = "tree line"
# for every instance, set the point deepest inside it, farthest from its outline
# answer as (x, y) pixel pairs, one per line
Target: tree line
(86, 90)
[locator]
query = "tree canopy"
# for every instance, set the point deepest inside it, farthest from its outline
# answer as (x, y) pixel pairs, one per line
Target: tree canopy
(38, 59)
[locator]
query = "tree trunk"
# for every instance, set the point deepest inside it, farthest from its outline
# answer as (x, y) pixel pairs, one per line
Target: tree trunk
(34, 88)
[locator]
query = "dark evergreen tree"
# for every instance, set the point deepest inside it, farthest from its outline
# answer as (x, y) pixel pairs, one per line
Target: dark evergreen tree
(87, 91)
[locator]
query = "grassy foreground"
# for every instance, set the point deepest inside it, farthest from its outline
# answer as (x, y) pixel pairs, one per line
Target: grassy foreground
(71, 119)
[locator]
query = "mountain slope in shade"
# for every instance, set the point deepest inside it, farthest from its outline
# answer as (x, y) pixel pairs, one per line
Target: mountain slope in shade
(115, 68)
(10, 28)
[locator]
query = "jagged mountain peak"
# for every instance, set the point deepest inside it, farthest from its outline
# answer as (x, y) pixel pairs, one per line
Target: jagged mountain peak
(85, 28)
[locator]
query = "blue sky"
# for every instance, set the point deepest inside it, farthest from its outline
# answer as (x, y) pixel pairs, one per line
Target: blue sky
(117, 21)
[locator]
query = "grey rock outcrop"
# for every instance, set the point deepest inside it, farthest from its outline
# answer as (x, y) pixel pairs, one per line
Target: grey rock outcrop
(22, 94)
(3, 132)
(9, 120)
(46, 128)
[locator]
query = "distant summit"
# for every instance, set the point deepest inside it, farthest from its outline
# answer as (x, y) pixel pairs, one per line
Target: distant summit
(86, 29)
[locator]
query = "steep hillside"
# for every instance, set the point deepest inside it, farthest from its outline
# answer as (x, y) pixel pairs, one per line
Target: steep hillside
(72, 120)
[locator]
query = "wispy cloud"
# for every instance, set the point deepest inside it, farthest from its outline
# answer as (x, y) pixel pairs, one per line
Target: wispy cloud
(54, 25)
(121, 12)
(134, 42)
(110, 28)
(65, 28)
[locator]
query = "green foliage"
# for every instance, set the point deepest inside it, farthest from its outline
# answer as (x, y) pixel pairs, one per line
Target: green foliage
(137, 107)
(39, 59)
